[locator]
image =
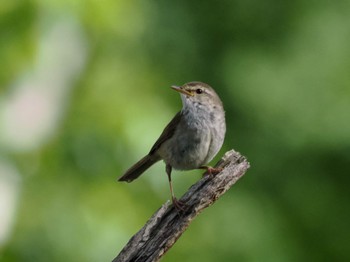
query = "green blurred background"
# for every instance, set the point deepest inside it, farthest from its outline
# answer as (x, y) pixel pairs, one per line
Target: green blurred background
(84, 93)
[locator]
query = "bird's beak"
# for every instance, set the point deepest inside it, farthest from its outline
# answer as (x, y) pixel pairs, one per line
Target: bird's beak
(181, 90)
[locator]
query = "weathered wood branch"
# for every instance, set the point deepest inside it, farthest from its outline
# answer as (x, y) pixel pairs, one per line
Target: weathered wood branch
(166, 225)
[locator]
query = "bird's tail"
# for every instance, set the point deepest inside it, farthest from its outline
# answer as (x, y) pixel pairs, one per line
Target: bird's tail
(136, 170)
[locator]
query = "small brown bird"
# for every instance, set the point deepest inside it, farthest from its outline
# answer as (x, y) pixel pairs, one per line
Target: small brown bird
(191, 139)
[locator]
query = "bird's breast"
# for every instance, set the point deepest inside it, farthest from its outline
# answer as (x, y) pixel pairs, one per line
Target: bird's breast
(194, 143)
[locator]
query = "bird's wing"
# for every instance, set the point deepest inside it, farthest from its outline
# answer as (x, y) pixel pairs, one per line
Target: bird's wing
(168, 132)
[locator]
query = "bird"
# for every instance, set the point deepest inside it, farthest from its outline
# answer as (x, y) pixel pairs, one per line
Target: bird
(191, 139)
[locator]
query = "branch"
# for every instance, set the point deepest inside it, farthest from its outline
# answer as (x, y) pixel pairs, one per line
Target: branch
(166, 225)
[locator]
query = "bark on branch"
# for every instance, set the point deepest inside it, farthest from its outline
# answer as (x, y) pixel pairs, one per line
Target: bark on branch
(166, 225)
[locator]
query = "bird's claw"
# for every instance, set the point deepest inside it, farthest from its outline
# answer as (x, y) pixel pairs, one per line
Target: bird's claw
(212, 171)
(179, 205)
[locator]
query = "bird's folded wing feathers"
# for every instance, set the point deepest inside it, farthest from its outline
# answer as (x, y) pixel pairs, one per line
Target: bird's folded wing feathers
(167, 133)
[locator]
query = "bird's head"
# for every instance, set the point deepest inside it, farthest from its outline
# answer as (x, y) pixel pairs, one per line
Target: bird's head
(198, 93)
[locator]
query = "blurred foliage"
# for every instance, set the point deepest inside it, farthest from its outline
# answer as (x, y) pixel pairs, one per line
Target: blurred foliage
(282, 70)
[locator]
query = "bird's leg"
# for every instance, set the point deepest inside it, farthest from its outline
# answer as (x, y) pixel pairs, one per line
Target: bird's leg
(211, 171)
(180, 206)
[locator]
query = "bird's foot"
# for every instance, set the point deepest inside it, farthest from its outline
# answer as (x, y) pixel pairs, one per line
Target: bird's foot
(179, 205)
(211, 171)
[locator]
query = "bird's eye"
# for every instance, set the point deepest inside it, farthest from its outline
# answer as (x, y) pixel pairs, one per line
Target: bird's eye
(199, 91)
